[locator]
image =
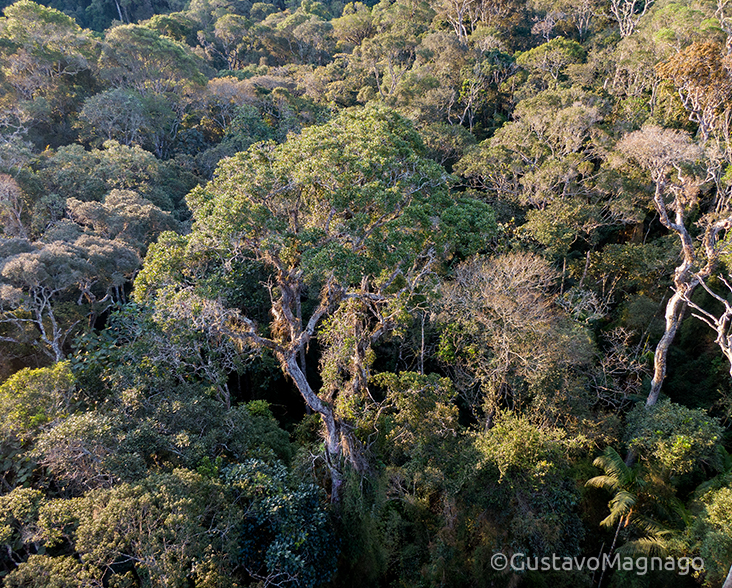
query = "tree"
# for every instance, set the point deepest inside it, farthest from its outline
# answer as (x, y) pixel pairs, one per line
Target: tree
(526, 469)
(160, 70)
(623, 481)
(73, 172)
(673, 437)
(703, 79)
(12, 207)
(116, 114)
(286, 538)
(388, 55)
(665, 153)
(552, 58)
(710, 530)
(169, 527)
(355, 25)
(546, 160)
(137, 57)
(627, 13)
(32, 401)
(721, 323)
(502, 333)
(229, 31)
(124, 216)
(461, 14)
(566, 14)
(38, 281)
(40, 47)
(342, 224)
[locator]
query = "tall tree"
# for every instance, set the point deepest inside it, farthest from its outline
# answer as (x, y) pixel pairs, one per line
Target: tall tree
(667, 155)
(38, 281)
(41, 46)
(343, 224)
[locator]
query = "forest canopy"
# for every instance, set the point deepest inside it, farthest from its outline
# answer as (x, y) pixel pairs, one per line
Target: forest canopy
(312, 293)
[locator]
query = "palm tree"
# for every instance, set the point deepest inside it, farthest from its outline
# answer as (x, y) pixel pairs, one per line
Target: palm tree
(623, 482)
(627, 486)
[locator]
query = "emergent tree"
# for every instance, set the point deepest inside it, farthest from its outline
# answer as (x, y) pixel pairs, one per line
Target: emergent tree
(345, 218)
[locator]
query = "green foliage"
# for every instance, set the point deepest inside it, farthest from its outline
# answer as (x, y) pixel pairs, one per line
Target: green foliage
(31, 399)
(331, 244)
(72, 172)
(20, 509)
(125, 216)
(165, 265)
(620, 479)
(286, 534)
(35, 288)
(421, 433)
(677, 438)
(42, 571)
(517, 448)
(175, 526)
(550, 60)
(469, 224)
(41, 46)
(712, 532)
(534, 501)
(138, 57)
(379, 198)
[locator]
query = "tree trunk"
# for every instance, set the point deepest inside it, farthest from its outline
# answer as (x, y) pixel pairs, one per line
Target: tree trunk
(333, 448)
(612, 548)
(674, 313)
(728, 581)
(684, 283)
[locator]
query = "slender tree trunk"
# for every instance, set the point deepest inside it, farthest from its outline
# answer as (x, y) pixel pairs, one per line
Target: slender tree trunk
(612, 548)
(728, 581)
(674, 313)
(684, 283)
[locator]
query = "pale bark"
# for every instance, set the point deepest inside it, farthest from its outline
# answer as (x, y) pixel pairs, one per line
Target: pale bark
(728, 581)
(684, 279)
(722, 324)
(628, 13)
(333, 446)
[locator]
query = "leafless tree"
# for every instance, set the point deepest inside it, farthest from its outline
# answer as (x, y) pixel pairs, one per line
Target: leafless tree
(722, 323)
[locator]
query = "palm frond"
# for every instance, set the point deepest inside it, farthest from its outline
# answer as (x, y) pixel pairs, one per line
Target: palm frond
(614, 466)
(651, 528)
(605, 482)
(622, 502)
(609, 521)
(645, 546)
